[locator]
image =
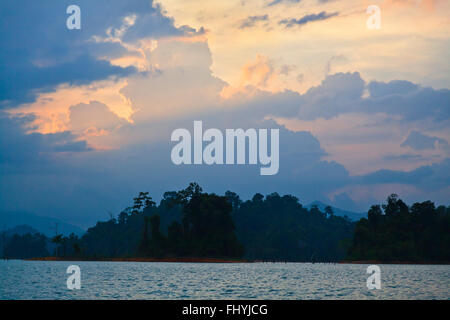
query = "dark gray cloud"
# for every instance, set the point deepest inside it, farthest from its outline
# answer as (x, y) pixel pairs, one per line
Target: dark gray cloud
(420, 141)
(410, 101)
(21, 84)
(39, 52)
(289, 23)
(20, 150)
(343, 93)
(337, 94)
(382, 89)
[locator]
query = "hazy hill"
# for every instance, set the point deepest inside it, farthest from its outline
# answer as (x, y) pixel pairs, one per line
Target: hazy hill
(45, 225)
(354, 216)
(20, 230)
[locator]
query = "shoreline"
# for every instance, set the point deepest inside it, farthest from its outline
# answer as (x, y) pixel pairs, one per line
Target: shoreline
(223, 260)
(186, 260)
(394, 262)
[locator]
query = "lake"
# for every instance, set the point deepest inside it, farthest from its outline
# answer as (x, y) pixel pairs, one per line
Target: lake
(158, 280)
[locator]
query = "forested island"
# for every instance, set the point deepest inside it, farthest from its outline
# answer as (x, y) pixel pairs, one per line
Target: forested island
(193, 225)
(396, 232)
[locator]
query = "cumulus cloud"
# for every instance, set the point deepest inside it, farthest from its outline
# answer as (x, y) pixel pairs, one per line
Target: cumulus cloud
(39, 52)
(255, 74)
(382, 89)
(183, 85)
(92, 118)
(412, 105)
(336, 94)
(344, 93)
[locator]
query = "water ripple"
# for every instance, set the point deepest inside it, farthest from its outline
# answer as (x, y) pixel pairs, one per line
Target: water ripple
(138, 280)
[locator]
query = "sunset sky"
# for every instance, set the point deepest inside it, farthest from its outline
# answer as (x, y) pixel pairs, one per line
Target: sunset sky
(86, 115)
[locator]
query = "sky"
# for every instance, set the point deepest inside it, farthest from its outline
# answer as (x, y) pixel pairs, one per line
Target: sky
(86, 114)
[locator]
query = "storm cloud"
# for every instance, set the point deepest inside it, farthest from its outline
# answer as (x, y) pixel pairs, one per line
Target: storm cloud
(39, 52)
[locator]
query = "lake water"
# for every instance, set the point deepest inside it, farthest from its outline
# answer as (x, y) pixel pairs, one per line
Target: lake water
(148, 280)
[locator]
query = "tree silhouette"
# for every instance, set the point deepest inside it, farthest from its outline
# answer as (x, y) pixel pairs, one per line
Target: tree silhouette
(395, 232)
(58, 240)
(329, 211)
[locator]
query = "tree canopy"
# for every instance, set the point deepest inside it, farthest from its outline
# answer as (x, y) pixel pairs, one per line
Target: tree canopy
(397, 232)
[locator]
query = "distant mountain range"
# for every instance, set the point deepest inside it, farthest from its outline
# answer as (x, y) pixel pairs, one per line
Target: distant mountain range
(45, 225)
(354, 216)
(20, 230)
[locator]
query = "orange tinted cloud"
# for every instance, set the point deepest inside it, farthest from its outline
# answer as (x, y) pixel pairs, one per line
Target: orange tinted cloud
(254, 74)
(52, 109)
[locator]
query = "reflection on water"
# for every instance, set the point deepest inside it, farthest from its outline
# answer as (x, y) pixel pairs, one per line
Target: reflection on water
(142, 280)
